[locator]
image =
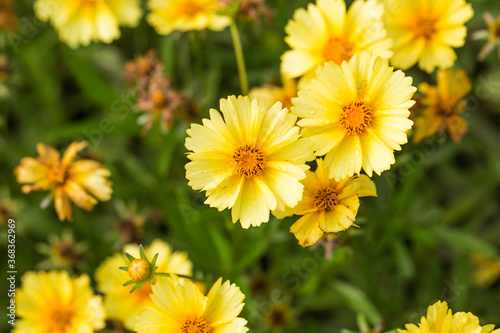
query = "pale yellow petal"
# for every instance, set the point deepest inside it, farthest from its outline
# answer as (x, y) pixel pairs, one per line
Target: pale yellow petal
(224, 303)
(306, 229)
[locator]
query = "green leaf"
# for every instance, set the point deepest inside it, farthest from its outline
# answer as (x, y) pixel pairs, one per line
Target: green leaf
(91, 82)
(357, 301)
(465, 240)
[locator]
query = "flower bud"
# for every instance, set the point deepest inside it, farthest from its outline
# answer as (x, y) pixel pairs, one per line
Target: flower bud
(139, 270)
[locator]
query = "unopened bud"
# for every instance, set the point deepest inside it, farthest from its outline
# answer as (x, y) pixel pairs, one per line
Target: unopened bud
(139, 270)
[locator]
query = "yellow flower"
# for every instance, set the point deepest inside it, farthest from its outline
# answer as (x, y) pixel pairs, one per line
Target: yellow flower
(251, 161)
(325, 32)
(486, 271)
(179, 306)
(440, 319)
(79, 22)
(53, 302)
(426, 31)
(269, 94)
(66, 178)
(492, 35)
(327, 205)
(443, 105)
(119, 303)
(184, 15)
(356, 114)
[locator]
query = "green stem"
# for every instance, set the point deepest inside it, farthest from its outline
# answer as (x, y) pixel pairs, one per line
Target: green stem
(240, 60)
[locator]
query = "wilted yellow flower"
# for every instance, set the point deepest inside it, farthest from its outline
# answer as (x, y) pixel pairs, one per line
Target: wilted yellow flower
(269, 94)
(356, 114)
(492, 34)
(486, 271)
(66, 178)
(443, 105)
(119, 303)
(167, 16)
(79, 22)
(252, 160)
(325, 32)
(440, 319)
(53, 302)
(179, 306)
(62, 252)
(327, 205)
(426, 31)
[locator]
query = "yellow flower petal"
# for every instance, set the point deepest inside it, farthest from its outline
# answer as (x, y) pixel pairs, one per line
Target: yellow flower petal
(306, 229)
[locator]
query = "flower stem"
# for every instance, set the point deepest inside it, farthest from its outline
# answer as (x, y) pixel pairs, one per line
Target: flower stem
(240, 60)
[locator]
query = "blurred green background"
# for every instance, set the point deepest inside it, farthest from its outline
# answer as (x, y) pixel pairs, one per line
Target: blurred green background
(436, 207)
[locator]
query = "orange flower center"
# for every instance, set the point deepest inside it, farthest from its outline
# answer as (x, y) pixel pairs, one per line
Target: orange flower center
(142, 294)
(356, 117)
(158, 98)
(58, 174)
(325, 199)
(424, 26)
(88, 3)
(59, 320)
(191, 8)
(195, 325)
(337, 50)
(249, 161)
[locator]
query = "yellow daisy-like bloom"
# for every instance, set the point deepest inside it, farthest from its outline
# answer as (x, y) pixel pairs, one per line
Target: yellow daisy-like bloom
(443, 106)
(119, 303)
(426, 31)
(179, 306)
(269, 94)
(184, 15)
(251, 161)
(325, 32)
(327, 205)
(66, 178)
(53, 302)
(356, 114)
(80, 22)
(440, 319)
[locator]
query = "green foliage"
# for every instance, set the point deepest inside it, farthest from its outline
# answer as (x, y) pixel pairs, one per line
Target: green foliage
(437, 205)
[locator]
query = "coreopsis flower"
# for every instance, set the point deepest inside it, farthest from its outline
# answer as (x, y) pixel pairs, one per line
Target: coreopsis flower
(356, 114)
(155, 94)
(167, 16)
(57, 303)
(269, 94)
(83, 181)
(252, 160)
(492, 34)
(441, 107)
(8, 20)
(327, 205)
(440, 319)
(179, 306)
(119, 303)
(62, 252)
(425, 32)
(486, 270)
(278, 316)
(81, 22)
(325, 32)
